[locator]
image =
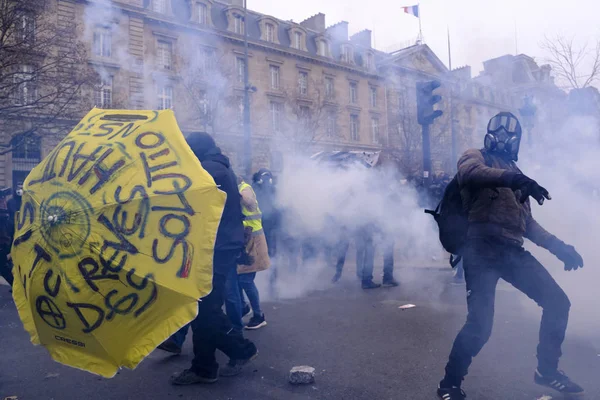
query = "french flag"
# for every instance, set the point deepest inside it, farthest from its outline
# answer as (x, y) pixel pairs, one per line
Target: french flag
(412, 10)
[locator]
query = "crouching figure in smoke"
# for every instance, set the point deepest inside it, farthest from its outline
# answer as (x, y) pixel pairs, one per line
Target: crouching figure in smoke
(496, 194)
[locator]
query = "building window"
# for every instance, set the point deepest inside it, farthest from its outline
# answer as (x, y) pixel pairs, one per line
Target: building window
(303, 83)
(346, 54)
(373, 96)
(164, 55)
(240, 68)
(159, 6)
(274, 76)
(323, 48)
(102, 43)
(26, 28)
(238, 24)
(354, 128)
(331, 124)
(369, 61)
(270, 32)
(276, 116)
(304, 115)
(27, 149)
(240, 109)
(202, 13)
(353, 93)
(165, 97)
(25, 88)
(206, 62)
(329, 88)
(103, 93)
(375, 130)
(297, 40)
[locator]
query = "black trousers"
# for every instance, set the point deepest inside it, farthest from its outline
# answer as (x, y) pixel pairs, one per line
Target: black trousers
(485, 262)
(6, 266)
(212, 329)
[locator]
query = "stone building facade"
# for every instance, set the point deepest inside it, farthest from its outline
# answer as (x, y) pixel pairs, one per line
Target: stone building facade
(314, 87)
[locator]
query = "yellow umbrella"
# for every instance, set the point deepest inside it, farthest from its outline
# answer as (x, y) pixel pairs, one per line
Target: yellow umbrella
(114, 240)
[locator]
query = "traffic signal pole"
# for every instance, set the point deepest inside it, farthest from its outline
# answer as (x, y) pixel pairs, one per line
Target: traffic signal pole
(426, 99)
(426, 155)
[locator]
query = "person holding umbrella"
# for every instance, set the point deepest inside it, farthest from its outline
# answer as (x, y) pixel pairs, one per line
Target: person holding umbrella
(212, 329)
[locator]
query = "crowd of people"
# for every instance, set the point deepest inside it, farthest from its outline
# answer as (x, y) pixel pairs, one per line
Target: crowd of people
(496, 196)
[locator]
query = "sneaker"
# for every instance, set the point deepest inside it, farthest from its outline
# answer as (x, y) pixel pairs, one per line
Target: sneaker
(559, 382)
(170, 346)
(234, 367)
(256, 322)
(390, 282)
(452, 393)
(189, 377)
(370, 285)
(246, 310)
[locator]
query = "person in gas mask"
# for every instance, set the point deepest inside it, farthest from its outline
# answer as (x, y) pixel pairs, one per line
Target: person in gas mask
(496, 194)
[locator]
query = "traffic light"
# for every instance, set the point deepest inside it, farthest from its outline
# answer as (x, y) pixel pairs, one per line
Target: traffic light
(426, 100)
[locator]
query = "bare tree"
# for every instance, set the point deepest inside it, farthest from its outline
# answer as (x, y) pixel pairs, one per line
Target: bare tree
(209, 84)
(309, 117)
(408, 133)
(43, 68)
(576, 67)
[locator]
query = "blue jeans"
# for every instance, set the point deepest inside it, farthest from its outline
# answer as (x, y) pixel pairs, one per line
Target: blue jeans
(179, 336)
(247, 285)
(233, 302)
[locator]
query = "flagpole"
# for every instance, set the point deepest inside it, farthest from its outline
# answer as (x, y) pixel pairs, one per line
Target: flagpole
(420, 30)
(449, 50)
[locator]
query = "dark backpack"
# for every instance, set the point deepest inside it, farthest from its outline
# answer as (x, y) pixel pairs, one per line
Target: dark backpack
(452, 219)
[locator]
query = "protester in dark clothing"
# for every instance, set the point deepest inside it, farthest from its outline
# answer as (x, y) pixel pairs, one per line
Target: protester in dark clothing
(212, 329)
(6, 234)
(497, 195)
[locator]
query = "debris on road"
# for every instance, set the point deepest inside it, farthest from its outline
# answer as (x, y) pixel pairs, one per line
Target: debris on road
(545, 398)
(407, 306)
(302, 375)
(50, 376)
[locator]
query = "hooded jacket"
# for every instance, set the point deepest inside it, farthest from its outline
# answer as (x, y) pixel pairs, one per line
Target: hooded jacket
(230, 235)
(494, 209)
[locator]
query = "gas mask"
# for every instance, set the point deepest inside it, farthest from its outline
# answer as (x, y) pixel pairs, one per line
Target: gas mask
(19, 192)
(265, 178)
(504, 135)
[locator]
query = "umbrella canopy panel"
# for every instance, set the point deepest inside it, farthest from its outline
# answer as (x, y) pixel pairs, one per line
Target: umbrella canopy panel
(114, 240)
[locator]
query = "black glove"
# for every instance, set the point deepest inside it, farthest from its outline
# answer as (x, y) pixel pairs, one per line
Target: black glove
(528, 187)
(567, 254)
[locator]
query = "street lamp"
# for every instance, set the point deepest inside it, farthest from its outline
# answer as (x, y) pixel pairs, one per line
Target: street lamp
(247, 131)
(528, 111)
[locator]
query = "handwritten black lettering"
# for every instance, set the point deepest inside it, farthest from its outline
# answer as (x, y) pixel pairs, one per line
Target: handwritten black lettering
(123, 306)
(88, 327)
(177, 190)
(28, 211)
(109, 265)
(85, 159)
(50, 313)
(103, 174)
(89, 269)
(159, 140)
(23, 238)
(141, 286)
(52, 291)
(123, 244)
(178, 239)
(143, 207)
(40, 254)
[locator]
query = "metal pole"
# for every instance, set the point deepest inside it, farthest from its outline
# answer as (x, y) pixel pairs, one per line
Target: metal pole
(426, 155)
(453, 159)
(247, 130)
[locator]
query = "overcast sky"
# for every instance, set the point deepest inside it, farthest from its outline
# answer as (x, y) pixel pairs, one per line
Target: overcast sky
(479, 29)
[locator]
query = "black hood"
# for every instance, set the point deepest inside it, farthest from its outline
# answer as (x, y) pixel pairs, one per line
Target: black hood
(215, 155)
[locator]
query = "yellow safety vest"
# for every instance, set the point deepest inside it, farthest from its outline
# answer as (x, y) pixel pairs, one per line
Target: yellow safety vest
(252, 219)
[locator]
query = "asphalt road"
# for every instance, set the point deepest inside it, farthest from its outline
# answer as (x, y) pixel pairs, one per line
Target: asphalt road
(361, 344)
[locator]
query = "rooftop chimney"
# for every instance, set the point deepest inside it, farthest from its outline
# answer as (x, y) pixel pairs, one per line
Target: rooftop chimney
(339, 31)
(362, 38)
(315, 23)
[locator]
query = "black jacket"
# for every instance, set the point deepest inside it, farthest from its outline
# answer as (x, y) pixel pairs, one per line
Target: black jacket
(265, 195)
(230, 235)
